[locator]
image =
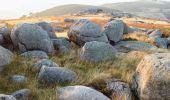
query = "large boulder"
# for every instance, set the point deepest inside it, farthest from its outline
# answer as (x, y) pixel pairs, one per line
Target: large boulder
(151, 80)
(97, 51)
(54, 75)
(114, 30)
(126, 46)
(48, 28)
(6, 57)
(22, 94)
(85, 31)
(44, 62)
(35, 54)
(31, 37)
(79, 93)
(6, 97)
(61, 42)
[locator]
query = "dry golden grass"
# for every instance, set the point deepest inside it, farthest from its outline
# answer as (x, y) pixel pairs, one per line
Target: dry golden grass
(139, 36)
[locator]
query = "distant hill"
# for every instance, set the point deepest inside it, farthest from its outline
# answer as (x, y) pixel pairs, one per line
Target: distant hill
(69, 9)
(144, 8)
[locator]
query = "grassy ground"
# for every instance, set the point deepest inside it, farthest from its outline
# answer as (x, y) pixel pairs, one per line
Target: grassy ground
(119, 67)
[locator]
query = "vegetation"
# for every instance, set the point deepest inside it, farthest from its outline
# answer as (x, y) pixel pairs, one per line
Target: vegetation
(119, 67)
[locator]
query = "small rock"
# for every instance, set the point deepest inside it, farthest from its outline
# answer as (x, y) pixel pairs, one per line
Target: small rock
(58, 29)
(155, 34)
(1, 39)
(6, 97)
(44, 62)
(18, 78)
(52, 75)
(22, 94)
(79, 93)
(61, 42)
(97, 51)
(6, 56)
(161, 42)
(126, 46)
(35, 54)
(67, 20)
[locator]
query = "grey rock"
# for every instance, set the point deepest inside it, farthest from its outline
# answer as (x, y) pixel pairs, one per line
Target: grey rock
(79, 93)
(61, 42)
(22, 94)
(161, 42)
(1, 39)
(68, 20)
(31, 37)
(97, 51)
(44, 62)
(18, 78)
(152, 77)
(53, 75)
(6, 56)
(63, 50)
(114, 30)
(48, 28)
(126, 46)
(136, 29)
(5, 32)
(35, 54)
(85, 31)
(6, 97)
(155, 34)
(119, 89)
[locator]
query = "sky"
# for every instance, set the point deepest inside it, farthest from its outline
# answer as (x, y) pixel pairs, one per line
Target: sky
(16, 8)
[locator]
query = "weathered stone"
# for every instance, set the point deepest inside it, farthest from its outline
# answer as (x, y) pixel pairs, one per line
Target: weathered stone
(35, 54)
(53, 75)
(79, 93)
(85, 31)
(22, 94)
(18, 78)
(31, 37)
(6, 97)
(44, 62)
(97, 51)
(152, 77)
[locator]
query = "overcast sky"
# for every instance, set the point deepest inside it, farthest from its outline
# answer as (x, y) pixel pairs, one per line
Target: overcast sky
(17, 8)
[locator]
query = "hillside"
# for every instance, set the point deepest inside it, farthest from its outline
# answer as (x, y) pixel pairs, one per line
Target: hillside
(147, 8)
(69, 9)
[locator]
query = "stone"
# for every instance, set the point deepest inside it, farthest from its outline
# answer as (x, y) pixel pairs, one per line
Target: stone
(155, 34)
(97, 51)
(126, 46)
(61, 42)
(6, 56)
(79, 93)
(35, 54)
(54, 75)
(44, 62)
(86, 31)
(161, 42)
(22, 94)
(68, 20)
(1, 39)
(18, 78)
(114, 30)
(48, 28)
(6, 97)
(151, 80)
(28, 37)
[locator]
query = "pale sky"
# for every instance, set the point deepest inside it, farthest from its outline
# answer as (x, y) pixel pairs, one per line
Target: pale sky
(17, 8)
